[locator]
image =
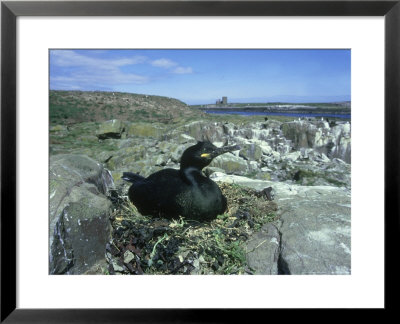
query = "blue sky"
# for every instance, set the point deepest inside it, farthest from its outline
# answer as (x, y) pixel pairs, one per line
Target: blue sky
(202, 76)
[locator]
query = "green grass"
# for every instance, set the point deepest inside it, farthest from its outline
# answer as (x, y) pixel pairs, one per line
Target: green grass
(69, 107)
(60, 112)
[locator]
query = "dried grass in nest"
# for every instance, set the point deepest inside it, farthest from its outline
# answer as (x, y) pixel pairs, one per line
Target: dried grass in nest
(147, 245)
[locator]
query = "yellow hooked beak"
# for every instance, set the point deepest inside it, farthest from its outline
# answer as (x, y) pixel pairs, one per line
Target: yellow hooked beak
(205, 155)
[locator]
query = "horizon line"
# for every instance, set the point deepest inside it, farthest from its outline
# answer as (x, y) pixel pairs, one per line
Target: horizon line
(255, 100)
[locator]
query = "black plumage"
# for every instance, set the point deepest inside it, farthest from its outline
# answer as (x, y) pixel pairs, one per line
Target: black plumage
(186, 192)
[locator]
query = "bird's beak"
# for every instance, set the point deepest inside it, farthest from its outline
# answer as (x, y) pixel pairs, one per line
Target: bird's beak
(224, 149)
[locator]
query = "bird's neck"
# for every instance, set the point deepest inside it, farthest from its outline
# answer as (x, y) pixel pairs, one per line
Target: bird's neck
(190, 174)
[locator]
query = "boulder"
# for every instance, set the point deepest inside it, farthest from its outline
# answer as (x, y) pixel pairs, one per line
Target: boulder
(81, 232)
(110, 129)
(229, 129)
(315, 231)
(293, 156)
(231, 164)
(300, 133)
(203, 130)
(127, 156)
(78, 189)
(251, 152)
(314, 227)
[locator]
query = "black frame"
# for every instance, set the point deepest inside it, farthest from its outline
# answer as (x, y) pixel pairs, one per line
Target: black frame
(11, 10)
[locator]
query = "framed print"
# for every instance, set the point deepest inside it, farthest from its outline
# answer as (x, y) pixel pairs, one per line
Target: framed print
(102, 110)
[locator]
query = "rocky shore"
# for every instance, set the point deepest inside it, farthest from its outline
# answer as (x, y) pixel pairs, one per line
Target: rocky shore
(307, 163)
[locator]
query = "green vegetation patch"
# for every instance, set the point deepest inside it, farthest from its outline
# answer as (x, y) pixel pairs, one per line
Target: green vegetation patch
(147, 245)
(309, 178)
(70, 107)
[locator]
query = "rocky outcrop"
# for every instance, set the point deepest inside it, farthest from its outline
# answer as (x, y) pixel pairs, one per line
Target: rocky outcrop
(334, 142)
(79, 213)
(303, 151)
(307, 163)
(315, 231)
(265, 152)
(312, 234)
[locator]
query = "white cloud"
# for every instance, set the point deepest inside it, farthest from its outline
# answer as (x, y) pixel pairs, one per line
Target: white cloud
(71, 69)
(91, 72)
(172, 66)
(183, 70)
(69, 58)
(164, 63)
(97, 79)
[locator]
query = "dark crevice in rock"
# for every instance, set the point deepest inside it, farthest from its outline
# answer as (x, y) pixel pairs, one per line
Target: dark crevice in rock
(283, 268)
(109, 135)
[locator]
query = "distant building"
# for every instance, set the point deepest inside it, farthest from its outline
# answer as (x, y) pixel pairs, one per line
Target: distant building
(224, 101)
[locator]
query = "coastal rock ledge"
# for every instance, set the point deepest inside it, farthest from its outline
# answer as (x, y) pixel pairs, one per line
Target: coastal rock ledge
(79, 213)
(312, 234)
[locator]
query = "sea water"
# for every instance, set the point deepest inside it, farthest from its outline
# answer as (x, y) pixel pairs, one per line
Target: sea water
(289, 114)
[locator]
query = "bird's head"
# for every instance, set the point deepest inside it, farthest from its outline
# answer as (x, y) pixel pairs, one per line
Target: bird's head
(201, 154)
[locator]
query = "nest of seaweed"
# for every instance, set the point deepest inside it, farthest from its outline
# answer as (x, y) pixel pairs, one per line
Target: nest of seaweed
(147, 245)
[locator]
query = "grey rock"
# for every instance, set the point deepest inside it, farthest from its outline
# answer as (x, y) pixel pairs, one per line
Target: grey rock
(231, 164)
(293, 156)
(335, 142)
(204, 130)
(110, 129)
(177, 151)
(229, 129)
(270, 150)
(128, 256)
(251, 152)
(78, 189)
(80, 236)
(262, 250)
(183, 139)
(210, 170)
(314, 225)
(302, 134)
(68, 171)
(117, 267)
(315, 229)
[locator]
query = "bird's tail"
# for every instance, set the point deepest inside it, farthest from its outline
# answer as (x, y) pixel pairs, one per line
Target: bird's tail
(132, 177)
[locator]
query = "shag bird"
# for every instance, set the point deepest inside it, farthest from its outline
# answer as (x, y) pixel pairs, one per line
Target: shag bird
(186, 192)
